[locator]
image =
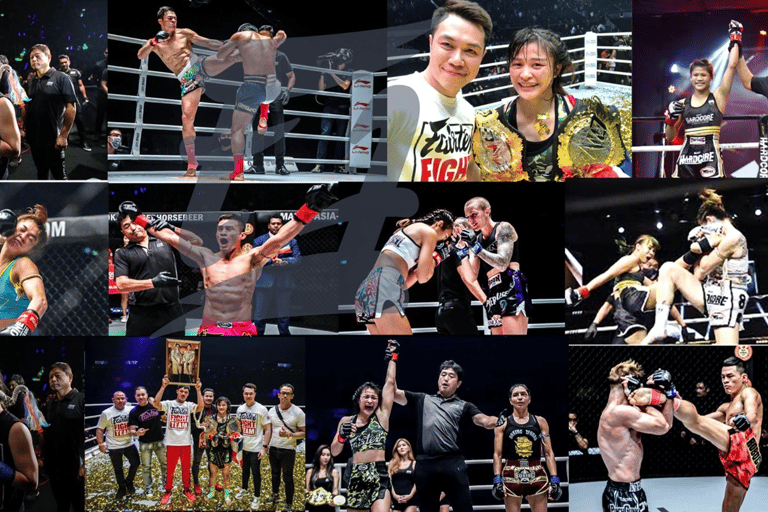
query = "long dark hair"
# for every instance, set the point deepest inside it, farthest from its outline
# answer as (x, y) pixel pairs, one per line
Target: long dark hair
(711, 204)
(316, 465)
(430, 218)
(556, 50)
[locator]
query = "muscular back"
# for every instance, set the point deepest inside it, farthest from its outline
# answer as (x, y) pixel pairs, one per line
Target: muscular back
(258, 53)
(620, 447)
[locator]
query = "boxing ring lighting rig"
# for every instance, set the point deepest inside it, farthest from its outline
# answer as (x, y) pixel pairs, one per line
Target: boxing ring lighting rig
(141, 100)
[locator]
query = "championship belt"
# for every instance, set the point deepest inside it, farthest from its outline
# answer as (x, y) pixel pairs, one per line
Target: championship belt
(590, 135)
(499, 150)
(319, 497)
(233, 427)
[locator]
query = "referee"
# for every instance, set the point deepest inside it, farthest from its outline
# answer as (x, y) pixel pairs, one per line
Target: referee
(440, 423)
(147, 267)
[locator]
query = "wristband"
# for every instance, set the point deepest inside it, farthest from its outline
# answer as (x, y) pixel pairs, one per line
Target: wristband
(340, 439)
(142, 220)
(305, 214)
(668, 120)
(554, 479)
(655, 397)
(706, 248)
(497, 479)
(462, 253)
(583, 292)
(476, 248)
(395, 356)
(154, 42)
(691, 257)
(30, 318)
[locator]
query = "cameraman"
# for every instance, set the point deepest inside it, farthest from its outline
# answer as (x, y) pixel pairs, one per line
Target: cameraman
(338, 60)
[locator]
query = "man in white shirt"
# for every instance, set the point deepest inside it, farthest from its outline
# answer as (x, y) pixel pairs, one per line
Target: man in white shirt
(178, 434)
(430, 125)
(256, 430)
(288, 421)
(114, 422)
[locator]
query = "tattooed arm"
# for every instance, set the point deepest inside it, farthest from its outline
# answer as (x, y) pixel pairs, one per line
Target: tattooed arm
(506, 236)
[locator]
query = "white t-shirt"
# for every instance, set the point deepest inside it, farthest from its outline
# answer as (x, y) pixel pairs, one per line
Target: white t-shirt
(115, 424)
(429, 135)
(178, 431)
(252, 421)
(294, 418)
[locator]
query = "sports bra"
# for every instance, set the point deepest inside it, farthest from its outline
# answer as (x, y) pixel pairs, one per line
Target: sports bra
(404, 246)
(370, 437)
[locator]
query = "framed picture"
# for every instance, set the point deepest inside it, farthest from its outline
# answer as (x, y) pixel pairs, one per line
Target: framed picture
(182, 361)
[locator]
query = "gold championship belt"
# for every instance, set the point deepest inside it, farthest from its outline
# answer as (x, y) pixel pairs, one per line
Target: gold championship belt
(498, 149)
(320, 497)
(590, 135)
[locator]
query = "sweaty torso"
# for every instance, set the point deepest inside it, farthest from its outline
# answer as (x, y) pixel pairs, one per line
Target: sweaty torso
(175, 51)
(737, 406)
(229, 285)
(620, 447)
(258, 53)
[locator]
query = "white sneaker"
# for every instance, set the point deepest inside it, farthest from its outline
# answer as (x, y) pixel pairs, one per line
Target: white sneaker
(240, 494)
(255, 503)
(124, 318)
(316, 169)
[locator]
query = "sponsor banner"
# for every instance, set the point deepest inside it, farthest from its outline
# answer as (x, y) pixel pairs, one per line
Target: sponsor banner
(361, 120)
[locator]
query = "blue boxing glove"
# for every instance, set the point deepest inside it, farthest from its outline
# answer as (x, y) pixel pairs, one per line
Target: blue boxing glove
(555, 492)
(498, 488)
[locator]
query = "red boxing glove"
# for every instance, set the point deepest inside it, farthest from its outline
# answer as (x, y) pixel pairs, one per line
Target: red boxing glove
(305, 214)
(24, 325)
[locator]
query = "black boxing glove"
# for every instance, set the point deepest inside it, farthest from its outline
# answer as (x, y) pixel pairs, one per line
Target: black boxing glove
(735, 30)
(555, 492)
(318, 198)
(285, 95)
(502, 417)
(591, 332)
(393, 351)
(663, 380)
(7, 222)
(160, 36)
(159, 224)
(673, 112)
(633, 383)
(164, 280)
(24, 325)
(130, 209)
(442, 251)
(741, 423)
(344, 432)
(573, 296)
(472, 240)
(498, 488)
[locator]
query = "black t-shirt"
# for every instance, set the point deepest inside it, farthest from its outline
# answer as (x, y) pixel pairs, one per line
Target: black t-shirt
(147, 417)
(75, 76)
(49, 96)
(64, 438)
(137, 262)
(332, 86)
(282, 68)
(11, 498)
(760, 85)
(450, 285)
(440, 423)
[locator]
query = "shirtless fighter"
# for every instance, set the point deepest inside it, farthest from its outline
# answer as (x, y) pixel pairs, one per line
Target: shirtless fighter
(618, 435)
(230, 275)
(261, 87)
(734, 429)
(174, 47)
(718, 285)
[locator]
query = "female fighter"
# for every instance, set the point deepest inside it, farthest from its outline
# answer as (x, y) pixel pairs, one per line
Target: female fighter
(322, 475)
(221, 448)
(537, 60)
(401, 468)
(517, 443)
(22, 293)
(701, 114)
(409, 256)
(366, 432)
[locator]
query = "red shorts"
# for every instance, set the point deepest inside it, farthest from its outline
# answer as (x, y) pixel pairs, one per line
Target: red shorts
(525, 480)
(211, 327)
(743, 457)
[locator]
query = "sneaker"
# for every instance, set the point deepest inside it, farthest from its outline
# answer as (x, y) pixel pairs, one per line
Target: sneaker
(211, 494)
(255, 503)
(219, 487)
(227, 498)
(240, 494)
(316, 169)
(189, 495)
(86, 147)
(124, 318)
(282, 171)
(198, 491)
(166, 499)
(340, 169)
(120, 493)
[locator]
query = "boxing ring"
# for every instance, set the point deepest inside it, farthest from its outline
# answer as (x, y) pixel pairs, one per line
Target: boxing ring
(220, 162)
(100, 484)
(584, 83)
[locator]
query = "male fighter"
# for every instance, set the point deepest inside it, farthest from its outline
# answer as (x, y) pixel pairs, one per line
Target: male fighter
(734, 429)
(230, 275)
(430, 124)
(258, 53)
(495, 251)
(178, 437)
(618, 434)
(440, 423)
(174, 47)
(288, 428)
(18, 464)
(114, 423)
(144, 422)
(718, 285)
(197, 450)
(256, 429)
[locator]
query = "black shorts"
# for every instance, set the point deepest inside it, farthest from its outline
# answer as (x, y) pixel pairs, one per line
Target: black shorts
(624, 497)
(629, 314)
